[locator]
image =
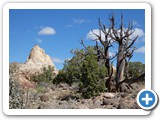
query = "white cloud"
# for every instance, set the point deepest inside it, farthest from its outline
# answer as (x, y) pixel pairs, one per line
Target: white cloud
(91, 36)
(80, 20)
(141, 50)
(57, 60)
(39, 40)
(47, 31)
(138, 32)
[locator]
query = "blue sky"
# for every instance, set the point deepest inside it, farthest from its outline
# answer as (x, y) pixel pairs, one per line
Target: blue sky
(59, 31)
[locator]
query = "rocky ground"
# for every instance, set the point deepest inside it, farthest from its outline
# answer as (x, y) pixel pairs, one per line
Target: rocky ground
(63, 96)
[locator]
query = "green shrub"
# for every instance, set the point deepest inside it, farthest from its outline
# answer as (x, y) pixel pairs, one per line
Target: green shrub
(84, 69)
(45, 76)
(40, 89)
(136, 69)
(92, 82)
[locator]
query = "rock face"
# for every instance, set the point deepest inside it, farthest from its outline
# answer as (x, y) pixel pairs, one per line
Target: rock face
(35, 63)
(37, 60)
(39, 57)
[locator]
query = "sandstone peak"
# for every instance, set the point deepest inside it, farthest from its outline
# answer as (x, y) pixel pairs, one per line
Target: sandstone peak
(38, 56)
(37, 59)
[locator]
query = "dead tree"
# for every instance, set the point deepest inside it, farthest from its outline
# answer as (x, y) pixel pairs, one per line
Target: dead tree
(122, 36)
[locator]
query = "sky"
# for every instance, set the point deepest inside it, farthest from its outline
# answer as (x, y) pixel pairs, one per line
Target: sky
(59, 31)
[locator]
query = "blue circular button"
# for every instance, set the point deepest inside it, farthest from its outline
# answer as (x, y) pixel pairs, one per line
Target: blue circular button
(147, 99)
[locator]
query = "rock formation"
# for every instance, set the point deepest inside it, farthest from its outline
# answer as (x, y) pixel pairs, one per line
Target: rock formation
(37, 60)
(35, 63)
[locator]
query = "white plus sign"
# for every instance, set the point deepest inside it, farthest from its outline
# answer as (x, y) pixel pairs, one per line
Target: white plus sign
(147, 99)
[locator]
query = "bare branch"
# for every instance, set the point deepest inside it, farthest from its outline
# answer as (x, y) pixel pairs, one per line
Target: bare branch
(82, 42)
(121, 27)
(99, 37)
(114, 56)
(127, 34)
(99, 52)
(114, 38)
(132, 43)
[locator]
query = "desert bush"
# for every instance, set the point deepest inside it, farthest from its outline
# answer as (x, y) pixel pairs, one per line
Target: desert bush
(14, 67)
(15, 100)
(136, 69)
(40, 89)
(84, 69)
(18, 97)
(91, 82)
(45, 76)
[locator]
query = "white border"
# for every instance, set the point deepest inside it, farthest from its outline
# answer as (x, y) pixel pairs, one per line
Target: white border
(8, 6)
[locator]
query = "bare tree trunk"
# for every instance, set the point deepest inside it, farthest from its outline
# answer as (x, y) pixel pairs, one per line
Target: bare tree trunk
(133, 80)
(107, 60)
(120, 64)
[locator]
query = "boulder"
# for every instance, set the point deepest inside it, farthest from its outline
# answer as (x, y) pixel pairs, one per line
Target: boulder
(44, 98)
(115, 102)
(123, 106)
(109, 95)
(123, 94)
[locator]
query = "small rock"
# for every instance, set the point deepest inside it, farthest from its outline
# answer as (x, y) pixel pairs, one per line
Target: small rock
(63, 102)
(123, 106)
(43, 106)
(115, 102)
(63, 86)
(123, 94)
(83, 101)
(109, 106)
(99, 97)
(97, 103)
(133, 96)
(125, 88)
(53, 88)
(109, 95)
(135, 106)
(63, 105)
(82, 107)
(44, 98)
